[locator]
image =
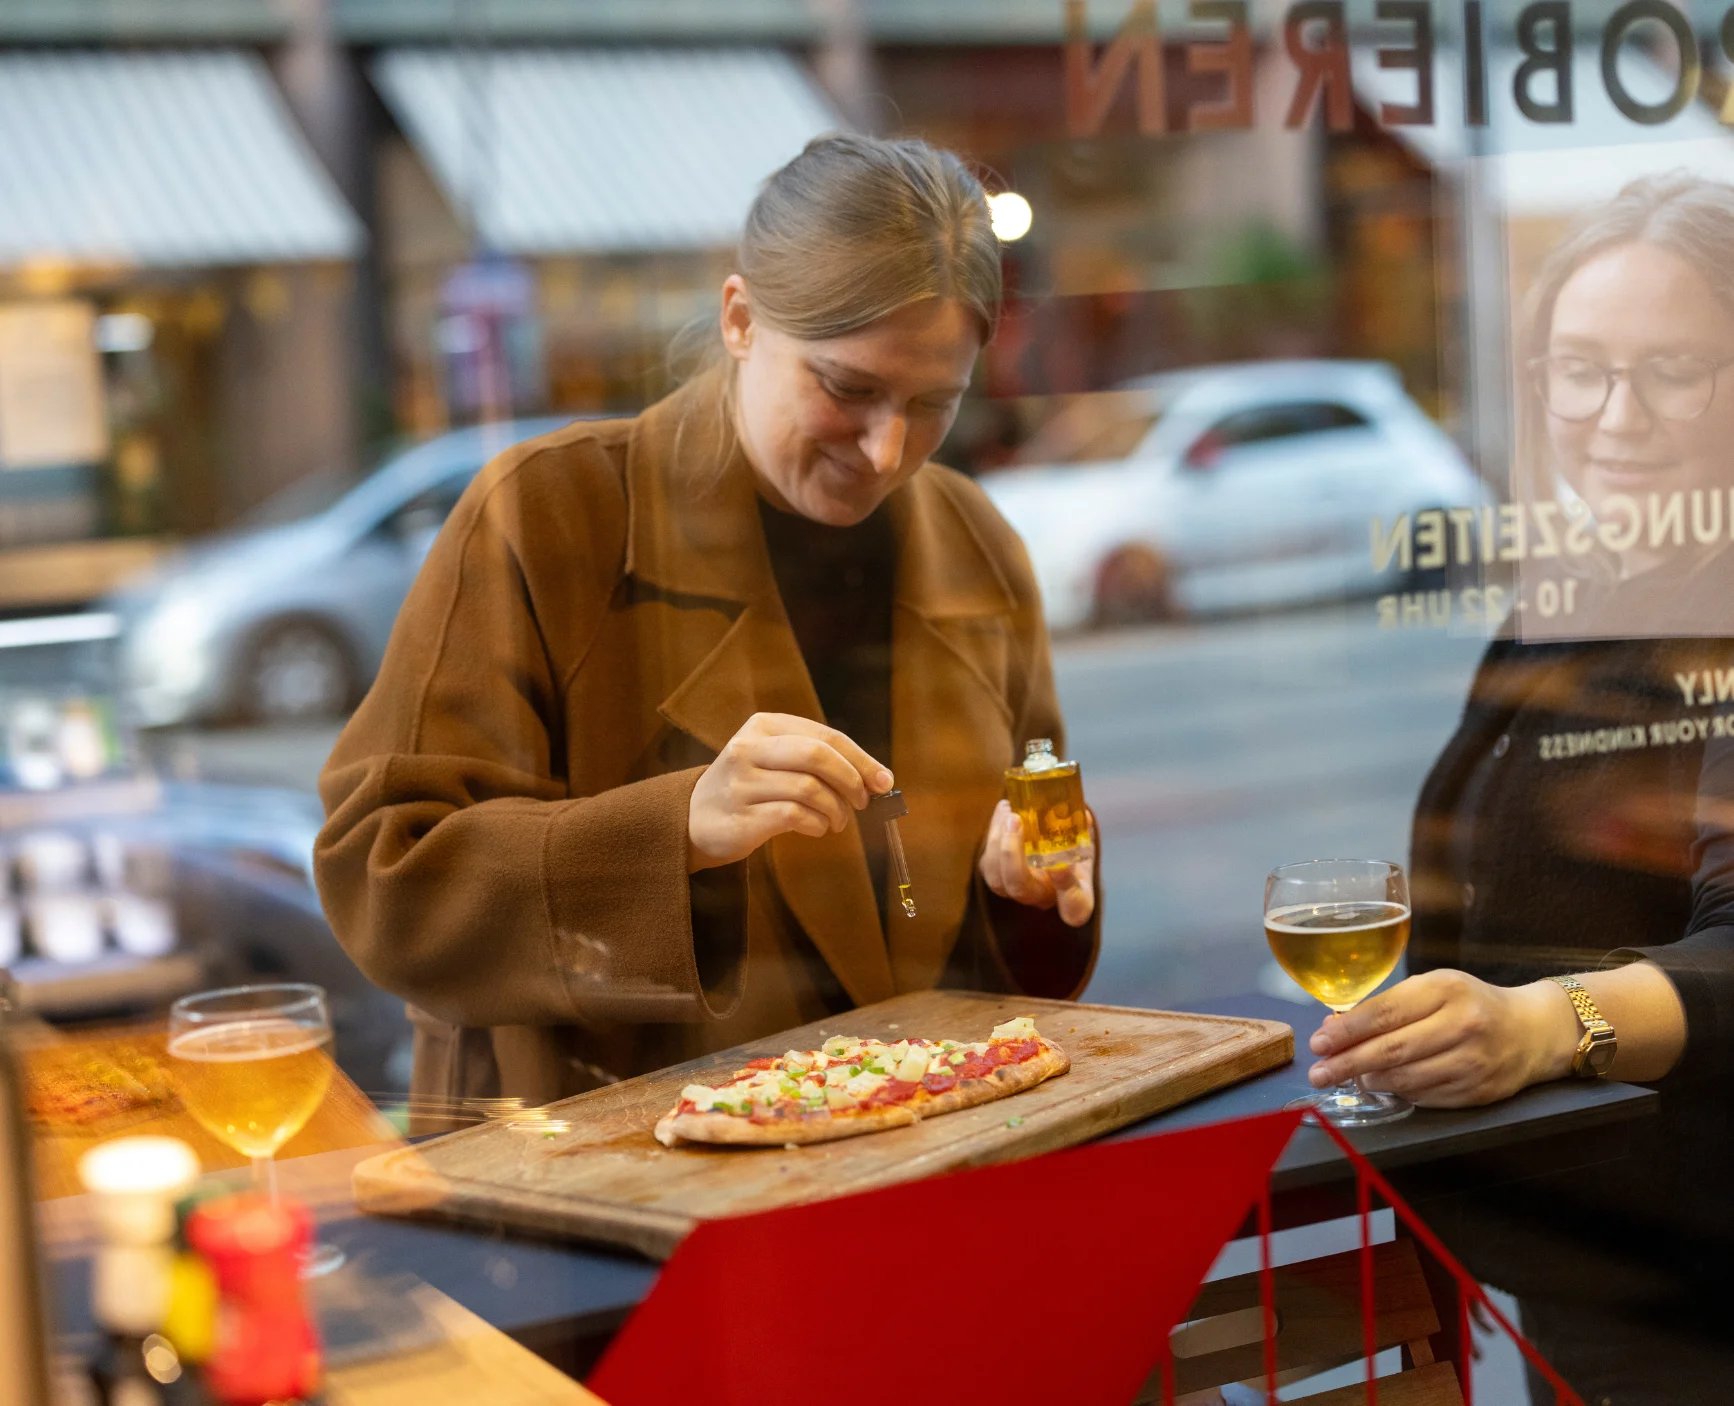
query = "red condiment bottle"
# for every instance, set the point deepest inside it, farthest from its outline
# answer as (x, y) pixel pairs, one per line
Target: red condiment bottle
(266, 1348)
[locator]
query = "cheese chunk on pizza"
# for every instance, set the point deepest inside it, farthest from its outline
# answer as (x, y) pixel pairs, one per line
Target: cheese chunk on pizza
(851, 1086)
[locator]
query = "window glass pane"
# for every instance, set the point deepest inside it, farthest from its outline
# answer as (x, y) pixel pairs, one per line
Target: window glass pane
(1086, 428)
(617, 539)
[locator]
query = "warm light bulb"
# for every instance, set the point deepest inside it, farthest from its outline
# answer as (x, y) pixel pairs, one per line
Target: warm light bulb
(135, 1182)
(140, 1166)
(1010, 214)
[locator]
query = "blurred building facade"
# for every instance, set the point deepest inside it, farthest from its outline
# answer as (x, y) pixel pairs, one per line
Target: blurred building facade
(294, 229)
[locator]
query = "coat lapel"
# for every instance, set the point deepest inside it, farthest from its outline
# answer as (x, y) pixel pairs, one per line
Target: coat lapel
(694, 532)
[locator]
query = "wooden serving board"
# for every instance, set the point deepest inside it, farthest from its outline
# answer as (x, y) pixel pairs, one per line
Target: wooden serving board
(607, 1179)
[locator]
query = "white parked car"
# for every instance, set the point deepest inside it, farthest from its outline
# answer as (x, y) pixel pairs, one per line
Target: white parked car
(1225, 488)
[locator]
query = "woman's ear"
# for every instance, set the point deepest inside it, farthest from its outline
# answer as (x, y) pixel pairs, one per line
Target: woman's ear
(737, 317)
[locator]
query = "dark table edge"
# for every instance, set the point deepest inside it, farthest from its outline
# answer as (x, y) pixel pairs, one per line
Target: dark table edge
(1311, 1158)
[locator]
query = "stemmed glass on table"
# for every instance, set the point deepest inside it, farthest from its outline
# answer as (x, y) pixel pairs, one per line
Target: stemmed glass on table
(1339, 927)
(251, 1064)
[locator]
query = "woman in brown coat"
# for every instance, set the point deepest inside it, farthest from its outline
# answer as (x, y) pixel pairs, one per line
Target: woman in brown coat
(598, 813)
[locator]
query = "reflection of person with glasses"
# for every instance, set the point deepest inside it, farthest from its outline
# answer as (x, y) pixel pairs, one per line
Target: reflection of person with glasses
(1572, 825)
(1576, 388)
(1631, 411)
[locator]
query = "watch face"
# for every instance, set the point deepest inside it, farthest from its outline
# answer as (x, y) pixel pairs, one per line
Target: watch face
(1601, 1057)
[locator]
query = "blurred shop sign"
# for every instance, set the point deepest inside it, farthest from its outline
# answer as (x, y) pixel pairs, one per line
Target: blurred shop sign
(489, 340)
(51, 404)
(489, 287)
(1534, 61)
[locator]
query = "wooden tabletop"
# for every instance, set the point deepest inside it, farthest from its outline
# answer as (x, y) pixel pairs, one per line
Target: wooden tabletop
(462, 1359)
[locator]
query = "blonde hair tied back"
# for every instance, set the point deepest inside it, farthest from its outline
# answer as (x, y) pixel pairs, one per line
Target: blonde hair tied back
(846, 233)
(855, 228)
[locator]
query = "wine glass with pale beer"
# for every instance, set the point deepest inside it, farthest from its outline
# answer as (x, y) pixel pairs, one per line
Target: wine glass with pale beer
(251, 1064)
(1339, 927)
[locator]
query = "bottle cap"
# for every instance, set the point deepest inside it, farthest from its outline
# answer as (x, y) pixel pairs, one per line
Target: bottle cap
(884, 808)
(1039, 754)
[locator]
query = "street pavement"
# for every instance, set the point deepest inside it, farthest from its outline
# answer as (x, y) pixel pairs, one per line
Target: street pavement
(1213, 753)
(1210, 752)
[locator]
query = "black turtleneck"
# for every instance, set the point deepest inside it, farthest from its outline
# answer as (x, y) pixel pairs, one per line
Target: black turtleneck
(837, 584)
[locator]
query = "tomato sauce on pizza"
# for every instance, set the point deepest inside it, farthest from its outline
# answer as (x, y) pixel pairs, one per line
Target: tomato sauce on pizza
(850, 1086)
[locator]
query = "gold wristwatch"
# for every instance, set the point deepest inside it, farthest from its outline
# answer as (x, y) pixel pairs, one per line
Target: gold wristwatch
(1595, 1052)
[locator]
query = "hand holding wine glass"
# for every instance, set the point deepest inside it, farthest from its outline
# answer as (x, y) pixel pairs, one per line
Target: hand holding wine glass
(1339, 927)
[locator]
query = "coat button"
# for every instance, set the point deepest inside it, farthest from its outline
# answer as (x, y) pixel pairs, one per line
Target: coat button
(1501, 747)
(1468, 895)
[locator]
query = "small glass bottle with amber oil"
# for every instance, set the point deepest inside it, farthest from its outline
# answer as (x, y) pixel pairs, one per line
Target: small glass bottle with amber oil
(1048, 796)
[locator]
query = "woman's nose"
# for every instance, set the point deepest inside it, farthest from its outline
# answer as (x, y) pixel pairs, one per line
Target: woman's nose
(1624, 413)
(885, 440)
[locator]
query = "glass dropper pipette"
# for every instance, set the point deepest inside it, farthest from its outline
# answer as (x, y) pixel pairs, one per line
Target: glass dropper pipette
(888, 808)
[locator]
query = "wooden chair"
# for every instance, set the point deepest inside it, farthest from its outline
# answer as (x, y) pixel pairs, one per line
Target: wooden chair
(1318, 1326)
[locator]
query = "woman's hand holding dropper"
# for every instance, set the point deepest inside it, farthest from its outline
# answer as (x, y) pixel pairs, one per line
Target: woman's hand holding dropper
(779, 773)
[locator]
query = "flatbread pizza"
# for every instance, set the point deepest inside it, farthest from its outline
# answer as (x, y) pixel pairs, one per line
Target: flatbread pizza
(851, 1086)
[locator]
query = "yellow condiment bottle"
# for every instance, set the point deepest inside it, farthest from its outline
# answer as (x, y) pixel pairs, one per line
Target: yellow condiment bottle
(1048, 796)
(191, 1320)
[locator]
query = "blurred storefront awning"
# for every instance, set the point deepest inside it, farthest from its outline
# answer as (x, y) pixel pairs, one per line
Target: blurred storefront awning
(166, 159)
(590, 151)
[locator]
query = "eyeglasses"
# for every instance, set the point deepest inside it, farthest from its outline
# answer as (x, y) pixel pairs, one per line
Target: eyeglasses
(1670, 387)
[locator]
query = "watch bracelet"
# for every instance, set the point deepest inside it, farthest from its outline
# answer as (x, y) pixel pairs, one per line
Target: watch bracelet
(1587, 1010)
(1595, 1026)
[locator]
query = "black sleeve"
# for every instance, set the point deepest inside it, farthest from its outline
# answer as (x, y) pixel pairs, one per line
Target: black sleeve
(1701, 964)
(1040, 953)
(718, 899)
(1008, 946)
(1442, 817)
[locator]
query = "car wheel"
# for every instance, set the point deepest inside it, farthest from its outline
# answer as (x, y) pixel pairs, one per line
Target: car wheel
(297, 671)
(1132, 585)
